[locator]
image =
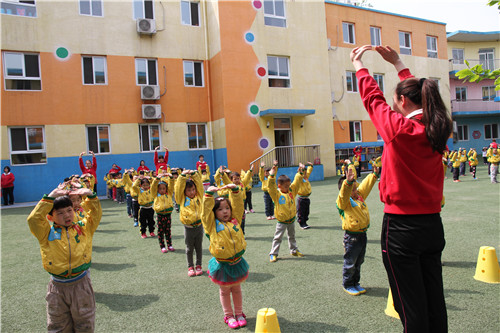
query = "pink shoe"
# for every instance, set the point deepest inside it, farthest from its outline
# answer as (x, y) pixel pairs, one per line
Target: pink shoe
(242, 322)
(144, 236)
(199, 271)
(252, 211)
(152, 234)
(269, 217)
(171, 249)
(191, 272)
(231, 322)
(164, 250)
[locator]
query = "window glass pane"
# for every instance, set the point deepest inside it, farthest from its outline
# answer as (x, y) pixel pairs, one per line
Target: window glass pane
(272, 65)
(155, 135)
(100, 70)
(28, 158)
(185, 12)
(152, 72)
(188, 73)
(494, 130)
(268, 7)
(31, 65)
(275, 22)
(197, 74)
(192, 136)
(145, 138)
(283, 66)
(487, 131)
(140, 67)
(279, 8)
(345, 32)
(88, 74)
(202, 139)
(194, 14)
(18, 139)
(148, 9)
(85, 7)
(138, 9)
(13, 64)
(92, 139)
(35, 138)
(103, 139)
(97, 7)
(351, 131)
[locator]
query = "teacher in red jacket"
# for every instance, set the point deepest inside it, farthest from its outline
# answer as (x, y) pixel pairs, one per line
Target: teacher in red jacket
(8, 186)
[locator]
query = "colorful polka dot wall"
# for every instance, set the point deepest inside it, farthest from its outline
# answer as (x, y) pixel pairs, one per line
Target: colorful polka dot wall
(257, 4)
(249, 37)
(263, 143)
(62, 53)
(253, 109)
(261, 71)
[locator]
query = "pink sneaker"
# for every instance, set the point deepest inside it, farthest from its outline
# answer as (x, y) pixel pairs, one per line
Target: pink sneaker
(242, 322)
(144, 236)
(164, 250)
(252, 211)
(171, 249)
(231, 322)
(152, 234)
(191, 272)
(199, 271)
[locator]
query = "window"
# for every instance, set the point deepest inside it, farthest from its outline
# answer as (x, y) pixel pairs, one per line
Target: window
(348, 32)
(197, 136)
(379, 137)
(92, 8)
(489, 93)
(190, 13)
(149, 136)
(432, 49)
(463, 132)
(21, 71)
(143, 9)
(274, 13)
(380, 80)
(486, 58)
(458, 56)
(491, 131)
(351, 81)
(278, 72)
(146, 72)
(98, 139)
(461, 93)
(405, 42)
(18, 7)
(193, 73)
(375, 36)
(94, 70)
(355, 131)
(27, 145)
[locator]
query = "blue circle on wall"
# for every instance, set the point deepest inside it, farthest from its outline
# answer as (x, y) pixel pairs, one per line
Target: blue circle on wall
(249, 37)
(263, 143)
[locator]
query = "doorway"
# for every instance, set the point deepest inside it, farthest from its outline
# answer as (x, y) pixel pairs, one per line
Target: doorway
(283, 138)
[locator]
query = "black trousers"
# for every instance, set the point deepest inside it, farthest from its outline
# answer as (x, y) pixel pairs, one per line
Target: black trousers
(303, 205)
(8, 195)
(456, 174)
(146, 217)
(268, 204)
(411, 251)
(248, 200)
(135, 210)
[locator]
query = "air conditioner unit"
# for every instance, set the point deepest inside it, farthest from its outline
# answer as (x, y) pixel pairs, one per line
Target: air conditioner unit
(146, 26)
(151, 111)
(150, 92)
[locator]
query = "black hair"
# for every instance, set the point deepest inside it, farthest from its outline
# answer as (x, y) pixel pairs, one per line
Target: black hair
(163, 183)
(201, 156)
(283, 179)
(267, 169)
(66, 179)
(144, 180)
(219, 200)
(341, 181)
(189, 184)
(7, 167)
(234, 174)
(61, 202)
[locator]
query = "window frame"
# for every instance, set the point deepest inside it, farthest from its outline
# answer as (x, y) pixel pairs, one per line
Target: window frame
(379, 78)
(190, 13)
(143, 8)
(354, 79)
(151, 143)
(493, 125)
(378, 33)
(463, 131)
(352, 134)
(42, 151)
(90, 6)
(431, 51)
(285, 79)
(462, 92)
(193, 62)
(273, 16)
(405, 47)
(98, 152)
(94, 71)
(351, 29)
(23, 77)
(197, 136)
(489, 61)
(458, 60)
(148, 81)
(18, 3)
(491, 93)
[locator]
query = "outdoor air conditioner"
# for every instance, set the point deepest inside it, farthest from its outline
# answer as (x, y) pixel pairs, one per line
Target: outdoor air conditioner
(150, 92)
(151, 111)
(146, 26)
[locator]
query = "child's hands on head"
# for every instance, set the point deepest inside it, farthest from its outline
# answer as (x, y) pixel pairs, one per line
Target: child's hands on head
(59, 191)
(272, 171)
(212, 189)
(275, 163)
(309, 163)
(230, 186)
(81, 191)
(262, 164)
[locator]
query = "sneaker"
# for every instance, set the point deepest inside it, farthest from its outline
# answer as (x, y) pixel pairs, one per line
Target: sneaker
(305, 227)
(297, 253)
(164, 250)
(360, 289)
(144, 236)
(136, 224)
(231, 322)
(252, 211)
(171, 249)
(242, 322)
(247, 212)
(152, 234)
(199, 271)
(191, 272)
(131, 216)
(273, 258)
(351, 291)
(273, 217)
(269, 217)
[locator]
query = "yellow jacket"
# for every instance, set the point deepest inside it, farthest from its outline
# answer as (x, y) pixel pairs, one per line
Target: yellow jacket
(494, 158)
(473, 161)
(145, 198)
(163, 203)
(243, 174)
(454, 158)
(65, 252)
(463, 155)
(244, 181)
(227, 242)
(205, 178)
(354, 212)
(355, 160)
(190, 209)
(118, 183)
(134, 192)
(264, 180)
(222, 180)
(107, 179)
(304, 186)
(284, 203)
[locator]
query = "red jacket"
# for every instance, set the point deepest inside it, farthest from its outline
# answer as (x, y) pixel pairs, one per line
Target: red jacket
(91, 170)
(115, 170)
(8, 180)
(158, 164)
(203, 165)
(412, 181)
(142, 168)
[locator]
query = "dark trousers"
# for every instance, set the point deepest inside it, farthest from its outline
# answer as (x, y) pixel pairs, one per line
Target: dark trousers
(129, 204)
(411, 251)
(146, 217)
(358, 171)
(462, 169)
(135, 210)
(248, 200)
(268, 204)
(303, 211)
(243, 222)
(473, 170)
(164, 227)
(193, 238)
(354, 256)
(120, 195)
(456, 173)
(8, 195)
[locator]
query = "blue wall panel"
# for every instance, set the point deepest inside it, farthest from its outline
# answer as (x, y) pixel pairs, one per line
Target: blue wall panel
(475, 124)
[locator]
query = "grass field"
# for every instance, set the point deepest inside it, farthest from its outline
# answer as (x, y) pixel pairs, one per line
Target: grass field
(139, 289)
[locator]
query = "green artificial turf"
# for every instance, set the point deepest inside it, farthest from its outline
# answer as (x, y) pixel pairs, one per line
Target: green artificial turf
(139, 289)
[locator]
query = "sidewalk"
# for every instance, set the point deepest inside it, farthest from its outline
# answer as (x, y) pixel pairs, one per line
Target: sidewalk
(33, 203)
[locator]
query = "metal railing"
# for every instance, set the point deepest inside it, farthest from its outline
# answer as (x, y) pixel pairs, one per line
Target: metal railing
(290, 156)
(474, 105)
(457, 65)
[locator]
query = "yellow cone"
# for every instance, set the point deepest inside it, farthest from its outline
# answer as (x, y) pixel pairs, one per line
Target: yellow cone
(487, 269)
(267, 321)
(389, 310)
(338, 172)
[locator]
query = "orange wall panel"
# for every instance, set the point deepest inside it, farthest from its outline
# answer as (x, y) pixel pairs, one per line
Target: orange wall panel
(341, 131)
(369, 131)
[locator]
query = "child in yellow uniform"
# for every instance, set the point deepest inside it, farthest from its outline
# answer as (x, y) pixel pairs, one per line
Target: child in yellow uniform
(463, 160)
(494, 161)
(303, 202)
(473, 162)
(264, 179)
(248, 191)
(163, 206)
(146, 196)
(205, 176)
(455, 160)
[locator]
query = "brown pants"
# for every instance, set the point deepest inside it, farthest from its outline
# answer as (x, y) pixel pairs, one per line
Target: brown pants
(70, 306)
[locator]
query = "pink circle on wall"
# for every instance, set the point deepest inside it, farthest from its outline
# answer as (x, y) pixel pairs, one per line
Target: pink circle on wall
(261, 71)
(257, 4)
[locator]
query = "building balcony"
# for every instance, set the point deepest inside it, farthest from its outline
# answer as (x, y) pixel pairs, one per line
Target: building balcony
(474, 107)
(457, 65)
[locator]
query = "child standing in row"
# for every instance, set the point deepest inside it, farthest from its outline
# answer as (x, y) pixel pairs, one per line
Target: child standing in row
(285, 210)
(455, 161)
(163, 207)
(303, 202)
(147, 194)
(189, 196)
(473, 162)
(248, 191)
(222, 223)
(264, 179)
(355, 221)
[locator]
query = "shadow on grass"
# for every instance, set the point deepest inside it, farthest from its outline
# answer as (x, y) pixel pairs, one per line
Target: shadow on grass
(327, 259)
(259, 277)
(103, 249)
(376, 292)
(458, 264)
(324, 227)
(111, 267)
(301, 326)
(373, 241)
(111, 231)
(125, 303)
